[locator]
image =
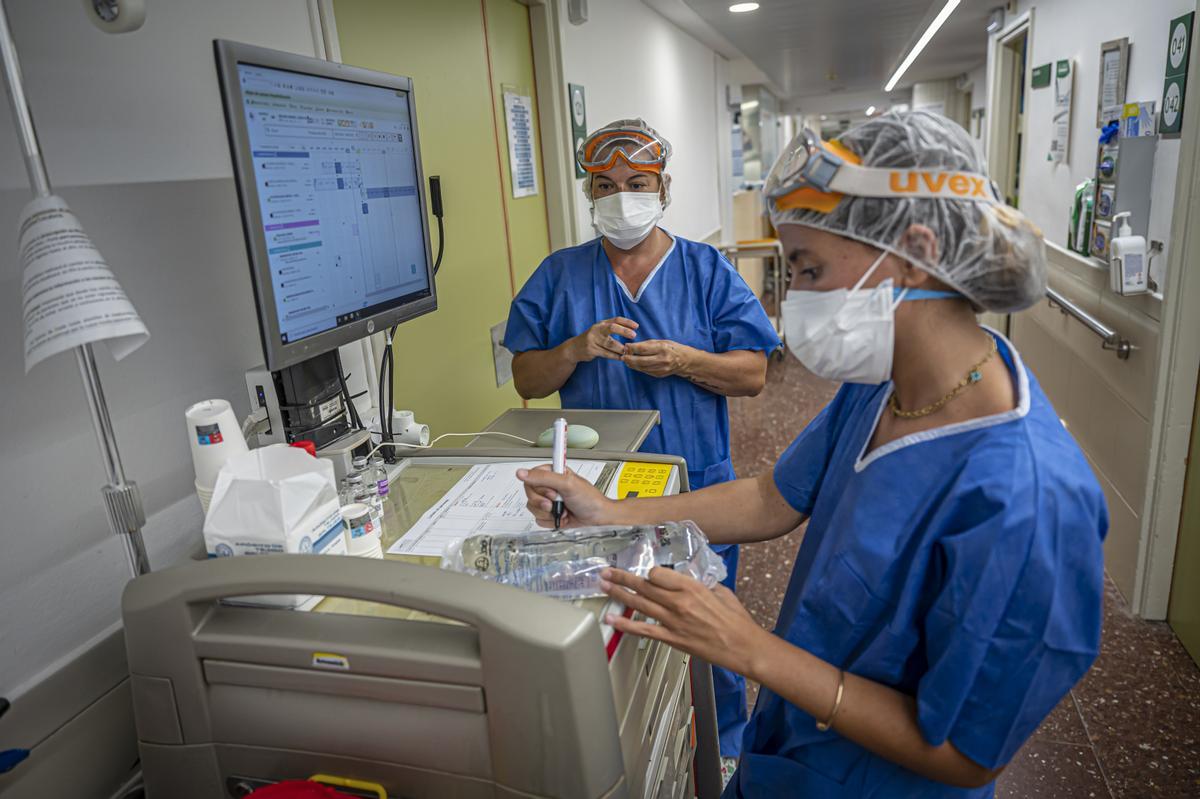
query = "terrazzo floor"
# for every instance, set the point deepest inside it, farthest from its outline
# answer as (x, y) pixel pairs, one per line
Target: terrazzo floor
(1130, 729)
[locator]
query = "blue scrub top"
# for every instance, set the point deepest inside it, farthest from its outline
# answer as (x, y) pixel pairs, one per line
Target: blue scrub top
(694, 296)
(962, 566)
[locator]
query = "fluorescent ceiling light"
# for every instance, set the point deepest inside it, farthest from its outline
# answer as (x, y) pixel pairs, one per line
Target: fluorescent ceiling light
(824, 117)
(742, 8)
(750, 105)
(870, 110)
(933, 28)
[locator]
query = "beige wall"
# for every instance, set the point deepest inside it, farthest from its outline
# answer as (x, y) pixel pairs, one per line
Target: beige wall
(1105, 402)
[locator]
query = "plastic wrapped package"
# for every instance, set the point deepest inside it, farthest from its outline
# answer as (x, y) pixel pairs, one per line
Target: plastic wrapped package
(567, 563)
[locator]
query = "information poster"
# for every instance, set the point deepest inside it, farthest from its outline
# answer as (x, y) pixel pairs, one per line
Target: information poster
(1060, 138)
(518, 116)
(69, 296)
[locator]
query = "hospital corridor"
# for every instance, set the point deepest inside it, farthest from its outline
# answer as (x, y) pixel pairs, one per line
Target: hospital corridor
(599, 399)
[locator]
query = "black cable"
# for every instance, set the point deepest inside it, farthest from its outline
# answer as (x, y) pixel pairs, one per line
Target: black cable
(437, 263)
(355, 421)
(435, 205)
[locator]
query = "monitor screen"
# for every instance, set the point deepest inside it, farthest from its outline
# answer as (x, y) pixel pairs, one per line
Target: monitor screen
(337, 183)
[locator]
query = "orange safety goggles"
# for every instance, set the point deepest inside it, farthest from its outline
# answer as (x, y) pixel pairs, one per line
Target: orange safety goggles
(640, 150)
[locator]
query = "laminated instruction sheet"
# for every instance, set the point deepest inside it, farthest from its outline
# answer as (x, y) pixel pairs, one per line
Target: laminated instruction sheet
(488, 499)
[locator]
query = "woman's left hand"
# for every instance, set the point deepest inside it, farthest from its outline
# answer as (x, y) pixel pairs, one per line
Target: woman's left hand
(708, 623)
(658, 358)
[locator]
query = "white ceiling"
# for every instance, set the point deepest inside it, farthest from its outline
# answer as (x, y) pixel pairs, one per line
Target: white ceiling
(814, 48)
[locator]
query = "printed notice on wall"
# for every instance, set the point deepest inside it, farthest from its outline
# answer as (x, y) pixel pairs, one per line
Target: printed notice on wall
(69, 296)
(1060, 136)
(518, 115)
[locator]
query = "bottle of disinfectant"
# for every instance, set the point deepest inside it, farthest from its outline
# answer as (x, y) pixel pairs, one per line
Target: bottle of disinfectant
(1127, 259)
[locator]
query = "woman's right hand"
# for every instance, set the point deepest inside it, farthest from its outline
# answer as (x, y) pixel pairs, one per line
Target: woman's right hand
(598, 342)
(583, 504)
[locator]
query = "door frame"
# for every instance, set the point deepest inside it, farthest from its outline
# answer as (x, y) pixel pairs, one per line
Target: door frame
(558, 158)
(1001, 91)
(1175, 383)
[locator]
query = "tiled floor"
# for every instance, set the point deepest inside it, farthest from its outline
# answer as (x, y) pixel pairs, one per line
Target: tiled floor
(1130, 729)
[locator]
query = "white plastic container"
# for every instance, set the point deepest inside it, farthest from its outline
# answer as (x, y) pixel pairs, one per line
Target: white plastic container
(1127, 259)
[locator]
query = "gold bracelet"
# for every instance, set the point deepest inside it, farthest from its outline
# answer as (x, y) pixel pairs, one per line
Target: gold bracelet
(837, 702)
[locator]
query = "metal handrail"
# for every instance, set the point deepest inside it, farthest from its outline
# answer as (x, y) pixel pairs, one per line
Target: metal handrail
(1110, 339)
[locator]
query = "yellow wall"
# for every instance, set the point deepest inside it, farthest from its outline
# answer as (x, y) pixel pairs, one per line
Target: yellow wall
(443, 360)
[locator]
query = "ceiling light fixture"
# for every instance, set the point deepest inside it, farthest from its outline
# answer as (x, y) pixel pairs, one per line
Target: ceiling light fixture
(742, 8)
(933, 28)
(870, 110)
(995, 19)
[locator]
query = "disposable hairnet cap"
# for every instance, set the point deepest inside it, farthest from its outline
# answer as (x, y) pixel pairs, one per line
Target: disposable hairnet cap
(636, 125)
(991, 253)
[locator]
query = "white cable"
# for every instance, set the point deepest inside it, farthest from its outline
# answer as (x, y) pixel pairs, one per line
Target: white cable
(252, 422)
(448, 435)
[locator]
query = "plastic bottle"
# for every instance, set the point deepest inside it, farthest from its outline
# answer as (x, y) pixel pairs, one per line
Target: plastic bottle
(1128, 259)
(366, 473)
(381, 476)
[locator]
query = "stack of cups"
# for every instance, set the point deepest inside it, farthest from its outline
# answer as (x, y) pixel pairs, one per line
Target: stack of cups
(215, 436)
(362, 536)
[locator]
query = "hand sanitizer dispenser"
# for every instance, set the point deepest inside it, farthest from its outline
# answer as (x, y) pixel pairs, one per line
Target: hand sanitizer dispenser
(1127, 259)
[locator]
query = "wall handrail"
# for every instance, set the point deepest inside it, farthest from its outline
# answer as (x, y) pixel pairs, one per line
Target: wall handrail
(1110, 339)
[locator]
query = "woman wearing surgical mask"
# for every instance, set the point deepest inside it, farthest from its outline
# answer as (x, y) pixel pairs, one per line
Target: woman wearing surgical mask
(642, 318)
(947, 592)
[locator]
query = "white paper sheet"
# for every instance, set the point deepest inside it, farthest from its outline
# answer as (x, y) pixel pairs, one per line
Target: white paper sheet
(1111, 80)
(1060, 137)
(69, 296)
(518, 115)
(489, 498)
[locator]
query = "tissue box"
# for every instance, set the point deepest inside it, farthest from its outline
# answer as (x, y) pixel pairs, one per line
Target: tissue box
(271, 500)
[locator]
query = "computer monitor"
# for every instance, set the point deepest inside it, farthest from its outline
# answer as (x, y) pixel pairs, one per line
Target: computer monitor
(328, 168)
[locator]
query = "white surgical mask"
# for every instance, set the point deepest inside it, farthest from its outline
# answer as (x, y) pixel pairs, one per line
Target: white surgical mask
(628, 217)
(848, 335)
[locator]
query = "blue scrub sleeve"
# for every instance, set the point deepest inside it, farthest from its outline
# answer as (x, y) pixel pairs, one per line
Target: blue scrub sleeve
(1015, 620)
(802, 466)
(529, 315)
(738, 319)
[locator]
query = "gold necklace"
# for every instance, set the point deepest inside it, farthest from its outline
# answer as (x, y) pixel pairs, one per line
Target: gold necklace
(973, 377)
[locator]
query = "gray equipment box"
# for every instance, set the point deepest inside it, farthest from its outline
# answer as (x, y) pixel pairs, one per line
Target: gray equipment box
(1124, 173)
(492, 706)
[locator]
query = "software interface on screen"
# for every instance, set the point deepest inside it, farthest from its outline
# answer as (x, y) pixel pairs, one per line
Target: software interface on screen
(337, 189)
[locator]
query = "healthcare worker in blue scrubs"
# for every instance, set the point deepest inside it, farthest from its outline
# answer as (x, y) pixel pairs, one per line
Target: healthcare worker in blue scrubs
(947, 593)
(639, 318)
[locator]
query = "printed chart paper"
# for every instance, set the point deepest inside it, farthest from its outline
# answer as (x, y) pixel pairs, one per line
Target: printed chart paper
(69, 296)
(518, 115)
(488, 499)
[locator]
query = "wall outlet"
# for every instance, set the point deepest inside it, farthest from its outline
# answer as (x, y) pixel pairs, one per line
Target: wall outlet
(501, 357)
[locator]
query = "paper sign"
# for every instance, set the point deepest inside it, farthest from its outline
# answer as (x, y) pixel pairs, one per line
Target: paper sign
(69, 296)
(1040, 77)
(1061, 137)
(518, 115)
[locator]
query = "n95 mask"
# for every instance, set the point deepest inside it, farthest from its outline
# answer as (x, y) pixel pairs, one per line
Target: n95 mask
(628, 217)
(849, 334)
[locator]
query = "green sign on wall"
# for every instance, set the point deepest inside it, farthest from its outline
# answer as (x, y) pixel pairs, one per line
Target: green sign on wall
(578, 121)
(1179, 45)
(1040, 77)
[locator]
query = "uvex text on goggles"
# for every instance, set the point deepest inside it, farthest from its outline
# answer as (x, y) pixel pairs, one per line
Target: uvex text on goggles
(813, 174)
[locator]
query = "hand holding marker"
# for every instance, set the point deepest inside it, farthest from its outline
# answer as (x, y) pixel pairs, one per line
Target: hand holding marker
(559, 464)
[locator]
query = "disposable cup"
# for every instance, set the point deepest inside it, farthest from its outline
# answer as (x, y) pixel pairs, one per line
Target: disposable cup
(362, 536)
(214, 436)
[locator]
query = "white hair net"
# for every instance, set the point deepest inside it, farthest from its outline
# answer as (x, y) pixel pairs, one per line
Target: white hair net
(638, 124)
(990, 253)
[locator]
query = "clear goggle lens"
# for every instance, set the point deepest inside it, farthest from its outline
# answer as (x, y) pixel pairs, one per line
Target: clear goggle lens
(601, 152)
